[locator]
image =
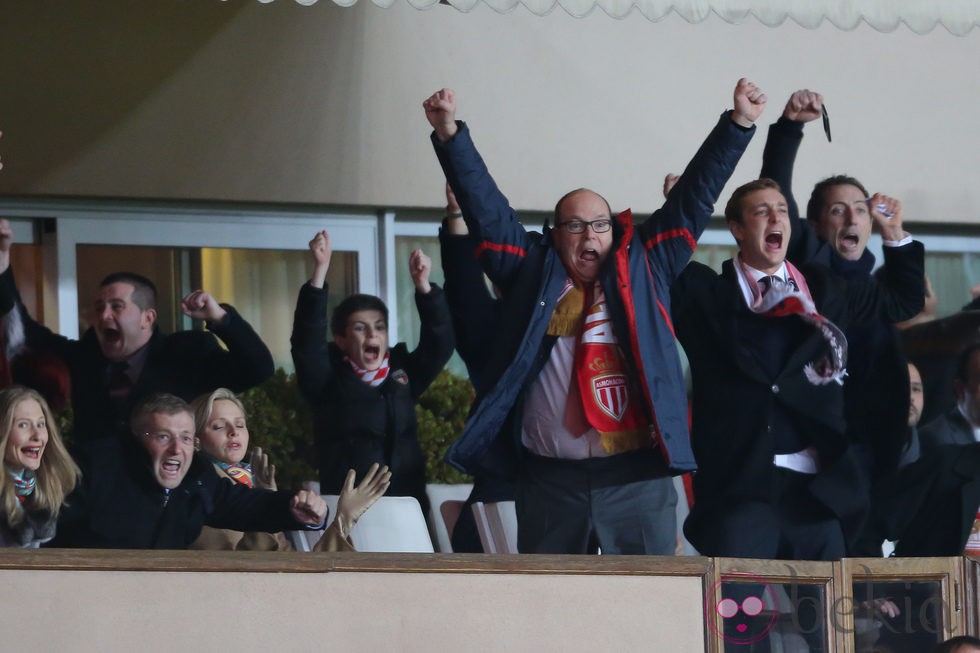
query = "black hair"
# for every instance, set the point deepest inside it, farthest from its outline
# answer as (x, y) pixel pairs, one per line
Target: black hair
(815, 206)
(144, 291)
(160, 402)
(351, 305)
(733, 210)
(963, 360)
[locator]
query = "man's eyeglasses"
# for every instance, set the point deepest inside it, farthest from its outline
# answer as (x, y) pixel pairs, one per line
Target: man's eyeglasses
(578, 226)
(164, 438)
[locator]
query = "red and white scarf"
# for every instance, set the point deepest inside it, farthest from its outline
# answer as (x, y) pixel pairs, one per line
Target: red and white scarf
(601, 394)
(373, 378)
(783, 300)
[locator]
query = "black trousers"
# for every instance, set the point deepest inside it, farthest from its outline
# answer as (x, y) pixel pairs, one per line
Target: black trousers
(794, 525)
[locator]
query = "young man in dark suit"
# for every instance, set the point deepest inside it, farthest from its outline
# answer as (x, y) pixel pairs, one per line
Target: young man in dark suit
(776, 474)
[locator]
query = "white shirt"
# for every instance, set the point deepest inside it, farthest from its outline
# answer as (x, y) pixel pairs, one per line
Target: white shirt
(543, 429)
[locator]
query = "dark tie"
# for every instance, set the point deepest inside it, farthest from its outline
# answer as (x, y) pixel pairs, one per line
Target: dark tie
(120, 384)
(766, 283)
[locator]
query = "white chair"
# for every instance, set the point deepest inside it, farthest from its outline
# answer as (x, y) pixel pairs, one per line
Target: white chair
(497, 525)
(445, 503)
(392, 525)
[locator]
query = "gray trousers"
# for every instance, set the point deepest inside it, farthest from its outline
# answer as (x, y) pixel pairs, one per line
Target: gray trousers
(623, 504)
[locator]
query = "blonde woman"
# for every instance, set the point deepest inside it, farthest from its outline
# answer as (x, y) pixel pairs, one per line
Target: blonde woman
(222, 435)
(37, 472)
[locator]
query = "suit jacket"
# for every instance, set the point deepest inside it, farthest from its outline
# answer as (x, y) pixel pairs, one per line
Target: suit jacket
(930, 506)
(878, 419)
(186, 364)
(951, 428)
(736, 401)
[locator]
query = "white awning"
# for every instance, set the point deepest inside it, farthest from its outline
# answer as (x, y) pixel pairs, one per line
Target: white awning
(920, 16)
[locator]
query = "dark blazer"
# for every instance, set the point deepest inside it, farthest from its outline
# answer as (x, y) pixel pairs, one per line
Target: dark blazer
(877, 420)
(951, 428)
(930, 506)
(119, 504)
(186, 364)
(736, 401)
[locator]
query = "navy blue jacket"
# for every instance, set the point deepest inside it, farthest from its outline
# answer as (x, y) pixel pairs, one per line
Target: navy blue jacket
(636, 280)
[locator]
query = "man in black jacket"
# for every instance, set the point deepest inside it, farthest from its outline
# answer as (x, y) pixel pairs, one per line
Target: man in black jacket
(776, 477)
(150, 491)
(124, 356)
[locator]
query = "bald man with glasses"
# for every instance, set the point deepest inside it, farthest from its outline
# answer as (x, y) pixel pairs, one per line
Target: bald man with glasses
(585, 402)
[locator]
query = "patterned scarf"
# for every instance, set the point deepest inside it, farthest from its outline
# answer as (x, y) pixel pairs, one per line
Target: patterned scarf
(240, 473)
(793, 298)
(24, 483)
(600, 395)
(373, 378)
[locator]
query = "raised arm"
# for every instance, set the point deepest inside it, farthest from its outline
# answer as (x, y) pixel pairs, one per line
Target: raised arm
(247, 361)
(37, 336)
(311, 356)
(670, 236)
(440, 111)
(778, 160)
(321, 250)
(419, 267)
(6, 242)
(488, 214)
(901, 293)
(785, 136)
(474, 311)
(436, 330)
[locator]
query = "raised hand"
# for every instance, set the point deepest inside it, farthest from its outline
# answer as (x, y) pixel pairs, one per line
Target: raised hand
(669, 182)
(419, 266)
(749, 103)
(440, 110)
(354, 501)
(263, 474)
(321, 250)
(308, 508)
(803, 106)
(887, 214)
(200, 305)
